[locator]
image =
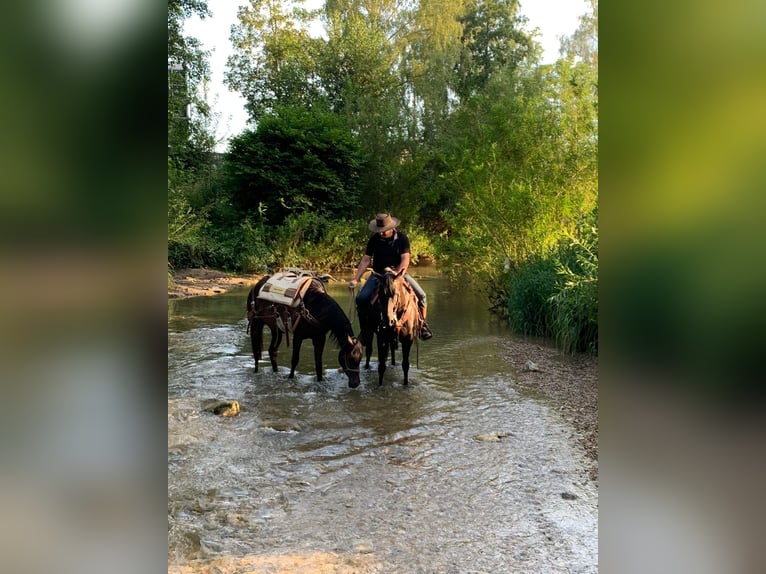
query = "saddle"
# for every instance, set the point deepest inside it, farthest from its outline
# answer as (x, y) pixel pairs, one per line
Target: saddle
(285, 290)
(288, 287)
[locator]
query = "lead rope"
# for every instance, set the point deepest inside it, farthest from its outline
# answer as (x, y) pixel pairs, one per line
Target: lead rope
(417, 352)
(417, 340)
(351, 306)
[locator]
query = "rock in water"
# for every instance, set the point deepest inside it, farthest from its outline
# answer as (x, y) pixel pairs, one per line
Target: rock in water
(530, 366)
(222, 408)
(491, 437)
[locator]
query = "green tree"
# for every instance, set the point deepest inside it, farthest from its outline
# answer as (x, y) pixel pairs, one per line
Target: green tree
(523, 165)
(493, 39)
(275, 60)
(297, 160)
(583, 44)
(359, 65)
(189, 138)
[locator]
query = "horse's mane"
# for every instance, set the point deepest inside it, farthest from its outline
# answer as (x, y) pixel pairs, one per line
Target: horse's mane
(327, 311)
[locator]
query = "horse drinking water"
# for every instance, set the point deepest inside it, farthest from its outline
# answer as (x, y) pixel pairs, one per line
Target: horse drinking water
(311, 315)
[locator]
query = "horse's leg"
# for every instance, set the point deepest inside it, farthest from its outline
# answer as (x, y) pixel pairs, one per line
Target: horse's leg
(365, 336)
(256, 340)
(319, 342)
(406, 346)
(276, 340)
(382, 355)
(297, 342)
(368, 353)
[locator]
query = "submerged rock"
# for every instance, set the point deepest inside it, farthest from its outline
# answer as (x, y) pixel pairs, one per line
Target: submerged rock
(530, 366)
(364, 546)
(491, 437)
(222, 408)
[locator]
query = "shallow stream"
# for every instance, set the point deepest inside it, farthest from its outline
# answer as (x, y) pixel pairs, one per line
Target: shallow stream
(393, 472)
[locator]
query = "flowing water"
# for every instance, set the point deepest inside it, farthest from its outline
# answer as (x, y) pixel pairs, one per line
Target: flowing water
(393, 473)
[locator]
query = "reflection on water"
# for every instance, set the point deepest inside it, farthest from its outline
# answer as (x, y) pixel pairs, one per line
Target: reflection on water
(318, 467)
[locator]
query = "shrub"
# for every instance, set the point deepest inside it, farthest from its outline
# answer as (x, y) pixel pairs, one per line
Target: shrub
(575, 305)
(313, 241)
(529, 290)
(555, 295)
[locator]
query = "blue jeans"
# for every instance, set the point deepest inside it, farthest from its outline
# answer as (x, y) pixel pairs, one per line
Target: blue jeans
(368, 289)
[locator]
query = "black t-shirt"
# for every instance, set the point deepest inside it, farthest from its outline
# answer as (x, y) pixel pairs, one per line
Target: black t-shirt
(387, 252)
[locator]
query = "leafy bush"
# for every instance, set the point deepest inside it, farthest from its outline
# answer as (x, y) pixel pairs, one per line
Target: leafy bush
(240, 248)
(529, 290)
(575, 305)
(555, 295)
(314, 241)
(420, 244)
(185, 224)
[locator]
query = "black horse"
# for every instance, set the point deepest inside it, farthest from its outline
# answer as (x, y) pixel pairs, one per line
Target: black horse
(393, 316)
(369, 326)
(315, 316)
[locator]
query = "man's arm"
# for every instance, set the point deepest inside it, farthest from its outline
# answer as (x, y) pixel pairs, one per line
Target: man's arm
(403, 264)
(363, 265)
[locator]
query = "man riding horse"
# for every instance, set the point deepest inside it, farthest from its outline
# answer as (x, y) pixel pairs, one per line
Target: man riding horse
(388, 247)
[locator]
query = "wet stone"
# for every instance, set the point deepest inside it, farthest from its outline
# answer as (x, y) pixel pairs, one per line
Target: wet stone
(222, 408)
(491, 437)
(364, 546)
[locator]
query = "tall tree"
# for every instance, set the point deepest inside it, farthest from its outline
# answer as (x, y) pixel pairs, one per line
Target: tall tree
(188, 69)
(523, 165)
(493, 39)
(275, 59)
(431, 53)
(359, 64)
(582, 46)
(297, 160)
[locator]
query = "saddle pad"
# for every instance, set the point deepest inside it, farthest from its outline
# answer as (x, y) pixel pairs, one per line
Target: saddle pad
(286, 288)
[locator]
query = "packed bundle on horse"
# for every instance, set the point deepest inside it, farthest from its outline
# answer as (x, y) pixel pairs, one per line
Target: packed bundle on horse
(288, 287)
(295, 302)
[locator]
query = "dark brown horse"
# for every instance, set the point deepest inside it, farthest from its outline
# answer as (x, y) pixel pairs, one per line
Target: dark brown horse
(398, 319)
(369, 326)
(315, 316)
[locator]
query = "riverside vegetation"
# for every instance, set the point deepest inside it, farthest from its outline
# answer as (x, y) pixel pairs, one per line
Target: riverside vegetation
(441, 113)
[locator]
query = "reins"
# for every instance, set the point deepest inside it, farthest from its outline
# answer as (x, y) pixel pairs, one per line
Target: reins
(351, 306)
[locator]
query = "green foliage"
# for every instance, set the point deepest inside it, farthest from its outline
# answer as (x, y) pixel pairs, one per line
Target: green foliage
(493, 39)
(318, 242)
(421, 245)
(274, 63)
(575, 305)
(188, 112)
(528, 294)
(523, 163)
(298, 160)
(435, 110)
(556, 295)
(240, 248)
(185, 225)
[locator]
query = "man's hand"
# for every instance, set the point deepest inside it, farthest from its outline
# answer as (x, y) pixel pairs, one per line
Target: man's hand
(352, 283)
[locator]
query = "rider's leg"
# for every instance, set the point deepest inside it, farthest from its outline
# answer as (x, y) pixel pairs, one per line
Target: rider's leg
(366, 292)
(362, 308)
(425, 332)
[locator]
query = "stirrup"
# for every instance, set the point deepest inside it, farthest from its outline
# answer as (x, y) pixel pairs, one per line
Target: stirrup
(425, 332)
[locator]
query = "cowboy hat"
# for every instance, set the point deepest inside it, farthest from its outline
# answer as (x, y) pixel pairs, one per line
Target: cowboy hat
(383, 222)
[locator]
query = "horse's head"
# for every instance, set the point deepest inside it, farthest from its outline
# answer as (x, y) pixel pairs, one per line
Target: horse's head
(349, 357)
(389, 295)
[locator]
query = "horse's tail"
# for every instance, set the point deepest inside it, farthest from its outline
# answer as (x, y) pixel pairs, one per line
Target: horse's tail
(251, 297)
